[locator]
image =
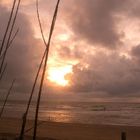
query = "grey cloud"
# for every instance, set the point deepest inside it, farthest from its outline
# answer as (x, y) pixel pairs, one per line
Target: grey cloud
(95, 21)
(134, 9)
(22, 59)
(66, 53)
(136, 51)
(113, 74)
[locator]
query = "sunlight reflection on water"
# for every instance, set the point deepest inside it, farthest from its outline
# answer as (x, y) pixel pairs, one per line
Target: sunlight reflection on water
(88, 113)
(58, 116)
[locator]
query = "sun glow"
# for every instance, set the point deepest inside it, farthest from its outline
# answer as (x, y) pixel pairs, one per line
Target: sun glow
(63, 37)
(57, 75)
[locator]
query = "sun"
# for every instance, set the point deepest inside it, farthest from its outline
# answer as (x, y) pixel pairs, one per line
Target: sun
(57, 75)
(63, 37)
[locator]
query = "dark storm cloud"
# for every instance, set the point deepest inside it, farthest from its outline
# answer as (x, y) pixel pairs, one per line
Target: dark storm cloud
(136, 51)
(112, 74)
(21, 58)
(66, 53)
(91, 20)
(96, 20)
(134, 9)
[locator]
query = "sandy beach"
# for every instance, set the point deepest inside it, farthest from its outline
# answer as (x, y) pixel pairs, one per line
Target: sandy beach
(62, 131)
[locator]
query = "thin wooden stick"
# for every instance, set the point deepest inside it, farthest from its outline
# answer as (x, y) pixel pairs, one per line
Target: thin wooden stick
(10, 43)
(14, 36)
(8, 25)
(21, 137)
(9, 91)
(10, 34)
(35, 81)
(3, 72)
(45, 64)
(40, 123)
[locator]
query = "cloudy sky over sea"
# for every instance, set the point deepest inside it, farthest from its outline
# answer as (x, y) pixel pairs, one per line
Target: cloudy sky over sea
(95, 49)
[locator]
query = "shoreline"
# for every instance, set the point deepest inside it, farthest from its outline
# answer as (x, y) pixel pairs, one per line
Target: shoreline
(69, 131)
(74, 123)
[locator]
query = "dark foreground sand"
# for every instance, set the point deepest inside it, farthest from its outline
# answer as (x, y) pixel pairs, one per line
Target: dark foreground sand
(62, 131)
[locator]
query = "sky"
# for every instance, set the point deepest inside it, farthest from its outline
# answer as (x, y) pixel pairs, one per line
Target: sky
(94, 54)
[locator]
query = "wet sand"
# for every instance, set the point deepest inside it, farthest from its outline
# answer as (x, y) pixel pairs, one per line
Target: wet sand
(10, 128)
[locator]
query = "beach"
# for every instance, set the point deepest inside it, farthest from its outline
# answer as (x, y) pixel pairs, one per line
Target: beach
(68, 131)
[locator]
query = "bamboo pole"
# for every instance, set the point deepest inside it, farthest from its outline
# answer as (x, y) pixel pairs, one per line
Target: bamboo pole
(10, 34)
(8, 25)
(2, 55)
(45, 64)
(9, 92)
(21, 137)
(3, 71)
(10, 43)
(123, 136)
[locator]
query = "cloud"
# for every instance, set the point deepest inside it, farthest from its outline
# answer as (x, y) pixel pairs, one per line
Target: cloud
(95, 21)
(25, 2)
(136, 51)
(98, 22)
(134, 9)
(109, 68)
(22, 58)
(102, 70)
(112, 74)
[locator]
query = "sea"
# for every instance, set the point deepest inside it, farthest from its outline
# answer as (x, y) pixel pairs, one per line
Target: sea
(78, 112)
